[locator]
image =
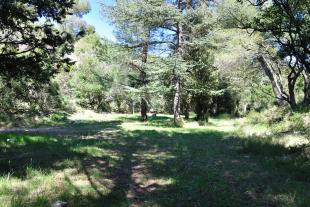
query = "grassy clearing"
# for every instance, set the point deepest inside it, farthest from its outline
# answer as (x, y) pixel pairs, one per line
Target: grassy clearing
(115, 160)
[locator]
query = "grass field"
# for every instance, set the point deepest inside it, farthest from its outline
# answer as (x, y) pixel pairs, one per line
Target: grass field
(115, 160)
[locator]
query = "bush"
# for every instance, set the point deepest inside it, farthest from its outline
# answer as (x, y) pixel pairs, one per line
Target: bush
(178, 123)
(292, 122)
(277, 114)
(202, 122)
(59, 116)
(297, 121)
(224, 116)
(256, 117)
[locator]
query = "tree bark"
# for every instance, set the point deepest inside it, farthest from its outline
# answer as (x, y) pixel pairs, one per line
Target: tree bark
(144, 109)
(177, 100)
(186, 105)
(270, 74)
(143, 78)
(306, 76)
(179, 51)
(201, 109)
(292, 78)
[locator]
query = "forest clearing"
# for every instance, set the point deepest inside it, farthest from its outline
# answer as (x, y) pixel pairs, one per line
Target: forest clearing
(154, 103)
(116, 160)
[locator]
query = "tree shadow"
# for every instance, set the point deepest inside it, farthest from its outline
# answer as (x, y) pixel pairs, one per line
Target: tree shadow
(49, 148)
(158, 167)
(211, 168)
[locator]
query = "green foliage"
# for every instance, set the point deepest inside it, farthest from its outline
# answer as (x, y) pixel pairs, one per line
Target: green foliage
(255, 117)
(31, 46)
(91, 77)
(24, 102)
(289, 23)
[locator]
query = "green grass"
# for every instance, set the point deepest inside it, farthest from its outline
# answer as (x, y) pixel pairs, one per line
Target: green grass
(116, 160)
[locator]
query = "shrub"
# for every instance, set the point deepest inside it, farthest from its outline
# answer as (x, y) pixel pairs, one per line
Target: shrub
(201, 122)
(177, 123)
(224, 116)
(297, 121)
(277, 114)
(59, 116)
(256, 117)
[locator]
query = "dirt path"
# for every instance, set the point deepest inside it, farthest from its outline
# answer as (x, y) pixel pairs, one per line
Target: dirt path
(41, 130)
(72, 129)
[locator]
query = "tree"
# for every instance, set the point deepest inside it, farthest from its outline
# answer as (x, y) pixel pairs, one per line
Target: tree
(28, 38)
(136, 30)
(287, 23)
(199, 48)
(74, 24)
(91, 76)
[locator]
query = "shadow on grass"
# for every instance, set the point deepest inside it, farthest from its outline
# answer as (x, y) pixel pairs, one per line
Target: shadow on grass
(156, 168)
(294, 161)
(48, 148)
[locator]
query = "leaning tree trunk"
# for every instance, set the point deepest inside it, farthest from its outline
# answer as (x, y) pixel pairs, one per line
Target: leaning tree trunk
(306, 76)
(270, 74)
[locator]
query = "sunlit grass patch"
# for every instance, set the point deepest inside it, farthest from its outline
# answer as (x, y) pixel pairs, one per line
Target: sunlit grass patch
(40, 188)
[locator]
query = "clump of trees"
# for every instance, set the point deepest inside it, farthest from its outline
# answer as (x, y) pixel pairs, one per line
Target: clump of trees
(206, 57)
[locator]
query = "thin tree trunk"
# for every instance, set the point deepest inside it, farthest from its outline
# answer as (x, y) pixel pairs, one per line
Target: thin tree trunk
(306, 76)
(143, 105)
(186, 106)
(179, 50)
(177, 101)
(143, 109)
(186, 103)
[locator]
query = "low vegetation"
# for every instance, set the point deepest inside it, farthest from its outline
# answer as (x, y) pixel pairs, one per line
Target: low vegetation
(119, 161)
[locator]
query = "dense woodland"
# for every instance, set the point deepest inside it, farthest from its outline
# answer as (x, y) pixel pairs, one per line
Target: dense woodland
(194, 59)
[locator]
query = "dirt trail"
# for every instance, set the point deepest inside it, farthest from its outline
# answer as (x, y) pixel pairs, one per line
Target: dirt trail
(41, 130)
(53, 130)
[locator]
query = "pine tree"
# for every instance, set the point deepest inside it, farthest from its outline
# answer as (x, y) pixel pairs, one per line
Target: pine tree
(30, 45)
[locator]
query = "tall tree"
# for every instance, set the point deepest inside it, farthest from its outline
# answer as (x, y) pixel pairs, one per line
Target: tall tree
(136, 30)
(179, 52)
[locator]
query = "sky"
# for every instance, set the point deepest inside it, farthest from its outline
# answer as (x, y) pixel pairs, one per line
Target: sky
(103, 27)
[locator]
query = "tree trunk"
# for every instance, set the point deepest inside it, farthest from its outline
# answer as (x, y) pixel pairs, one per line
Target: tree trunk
(177, 101)
(186, 114)
(179, 51)
(143, 109)
(270, 74)
(200, 115)
(201, 110)
(306, 76)
(186, 106)
(292, 78)
(143, 78)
